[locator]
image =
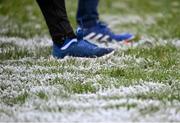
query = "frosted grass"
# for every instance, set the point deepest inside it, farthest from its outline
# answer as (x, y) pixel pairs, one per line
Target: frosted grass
(31, 43)
(88, 107)
(111, 104)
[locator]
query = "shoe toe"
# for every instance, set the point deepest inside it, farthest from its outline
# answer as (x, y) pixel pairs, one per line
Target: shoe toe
(124, 36)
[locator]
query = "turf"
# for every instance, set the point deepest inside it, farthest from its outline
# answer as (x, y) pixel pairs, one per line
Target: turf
(139, 83)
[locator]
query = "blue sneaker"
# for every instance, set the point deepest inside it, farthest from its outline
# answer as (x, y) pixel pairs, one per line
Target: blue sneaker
(79, 48)
(100, 32)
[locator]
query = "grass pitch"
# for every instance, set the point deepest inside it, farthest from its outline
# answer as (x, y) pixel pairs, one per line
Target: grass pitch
(139, 83)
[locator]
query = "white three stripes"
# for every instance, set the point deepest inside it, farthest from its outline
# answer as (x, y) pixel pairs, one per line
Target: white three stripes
(98, 36)
(94, 36)
(90, 36)
(105, 38)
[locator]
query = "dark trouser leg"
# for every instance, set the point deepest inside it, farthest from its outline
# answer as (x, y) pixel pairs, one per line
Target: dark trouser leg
(87, 12)
(55, 14)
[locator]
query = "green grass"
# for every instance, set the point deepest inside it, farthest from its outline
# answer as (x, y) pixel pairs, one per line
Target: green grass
(42, 95)
(20, 99)
(30, 80)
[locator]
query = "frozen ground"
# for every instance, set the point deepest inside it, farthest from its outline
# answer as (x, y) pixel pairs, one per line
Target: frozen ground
(47, 89)
(140, 82)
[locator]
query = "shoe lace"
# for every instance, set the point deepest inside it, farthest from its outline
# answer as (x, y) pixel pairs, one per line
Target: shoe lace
(79, 33)
(105, 28)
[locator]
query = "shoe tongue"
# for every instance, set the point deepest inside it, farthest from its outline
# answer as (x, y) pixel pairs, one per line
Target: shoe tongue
(102, 24)
(79, 33)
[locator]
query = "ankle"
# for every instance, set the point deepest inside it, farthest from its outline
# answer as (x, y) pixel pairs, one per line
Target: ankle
(60, 39)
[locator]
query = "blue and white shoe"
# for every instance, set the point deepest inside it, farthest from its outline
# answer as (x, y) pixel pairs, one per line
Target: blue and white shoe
(100, 32)
(79, 48)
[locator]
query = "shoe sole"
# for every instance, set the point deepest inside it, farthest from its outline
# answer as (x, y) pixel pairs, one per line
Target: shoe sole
(107, 55)
(86, 58)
